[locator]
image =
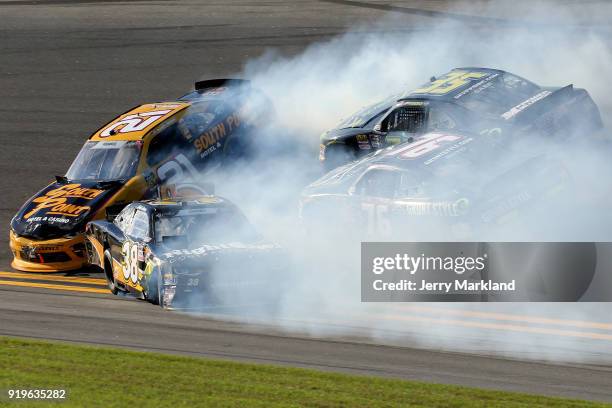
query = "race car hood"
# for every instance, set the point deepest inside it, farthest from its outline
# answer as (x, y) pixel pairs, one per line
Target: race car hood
(62, 208)
(342, 135)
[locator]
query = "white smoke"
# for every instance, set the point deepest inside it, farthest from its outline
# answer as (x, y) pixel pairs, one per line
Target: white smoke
(312, 91)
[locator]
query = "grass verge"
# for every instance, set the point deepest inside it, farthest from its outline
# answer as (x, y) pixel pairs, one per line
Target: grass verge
(108, 377)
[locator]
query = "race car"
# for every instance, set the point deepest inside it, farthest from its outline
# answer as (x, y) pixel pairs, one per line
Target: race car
(183, 252)
(131, 158)
(441, 185)
(477, 100)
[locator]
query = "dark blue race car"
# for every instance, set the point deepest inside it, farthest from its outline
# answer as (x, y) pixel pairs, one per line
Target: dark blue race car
(475, 100)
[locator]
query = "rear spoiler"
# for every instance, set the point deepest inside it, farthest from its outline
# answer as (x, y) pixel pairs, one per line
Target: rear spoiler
(541, 102)
(221, 82)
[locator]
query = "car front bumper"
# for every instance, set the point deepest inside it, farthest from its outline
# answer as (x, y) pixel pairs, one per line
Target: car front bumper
(52, 255)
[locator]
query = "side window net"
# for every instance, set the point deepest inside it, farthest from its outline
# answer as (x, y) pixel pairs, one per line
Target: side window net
(409, 119)
(124, 219)
(140, 225)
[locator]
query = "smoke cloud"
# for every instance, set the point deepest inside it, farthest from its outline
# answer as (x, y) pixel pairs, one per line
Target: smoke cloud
(328, 81)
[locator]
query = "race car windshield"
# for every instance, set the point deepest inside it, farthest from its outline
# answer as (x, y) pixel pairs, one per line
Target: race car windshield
(205, 228)
(366, 114)
(101, 161)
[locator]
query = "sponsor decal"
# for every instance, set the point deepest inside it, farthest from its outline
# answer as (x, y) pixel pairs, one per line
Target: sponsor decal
(141, 253)
(42, 248)
(442, 208)
(203, 250)
(507, 205)
(109, 145)
(451, 150)
(210, 140)
(375, 140)
(477, 87)
(364, 145)
(525, 104)
(55, 201)
(49, 219)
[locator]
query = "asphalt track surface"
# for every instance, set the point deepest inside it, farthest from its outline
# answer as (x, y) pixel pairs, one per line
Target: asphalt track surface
(69, 65)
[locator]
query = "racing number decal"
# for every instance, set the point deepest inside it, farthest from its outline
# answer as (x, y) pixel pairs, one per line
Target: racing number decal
(177, 170)
(425, 145)
(130, 261)
(449, 82)
(134, 123)
(378, 219)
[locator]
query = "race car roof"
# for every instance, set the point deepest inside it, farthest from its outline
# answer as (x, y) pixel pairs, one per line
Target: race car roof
(137, 122)
(450, 86)
(454, 82)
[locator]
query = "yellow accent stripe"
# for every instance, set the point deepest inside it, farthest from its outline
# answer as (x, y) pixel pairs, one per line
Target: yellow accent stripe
(506, 317)
(500, 326)
(52, 286)
(41, 277)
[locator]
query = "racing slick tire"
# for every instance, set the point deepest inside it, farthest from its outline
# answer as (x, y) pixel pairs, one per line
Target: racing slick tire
(154, 292)
(109, 274)
(160, 292)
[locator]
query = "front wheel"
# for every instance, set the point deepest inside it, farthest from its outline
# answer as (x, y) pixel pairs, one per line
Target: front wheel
(109, 273)
(155, 289)
(336, 155)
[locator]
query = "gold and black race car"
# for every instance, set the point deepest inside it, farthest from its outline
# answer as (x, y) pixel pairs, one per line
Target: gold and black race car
(185, 253)
(484, 101)
(132, 158)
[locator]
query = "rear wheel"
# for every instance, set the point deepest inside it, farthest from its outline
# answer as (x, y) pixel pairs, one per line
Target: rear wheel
(160, 292)
(109, 274)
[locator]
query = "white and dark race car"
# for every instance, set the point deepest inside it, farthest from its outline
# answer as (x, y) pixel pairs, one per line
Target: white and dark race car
(459, 183)
(185, 253)
(459, 187)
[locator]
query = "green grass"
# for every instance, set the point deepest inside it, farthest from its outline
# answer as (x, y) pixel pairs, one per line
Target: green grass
(106, 377)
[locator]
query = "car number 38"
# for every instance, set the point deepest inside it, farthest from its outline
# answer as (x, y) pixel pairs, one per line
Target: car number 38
(130, 261)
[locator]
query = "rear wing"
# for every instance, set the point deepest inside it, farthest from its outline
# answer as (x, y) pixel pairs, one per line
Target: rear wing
(221, 83)
(542, 102)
